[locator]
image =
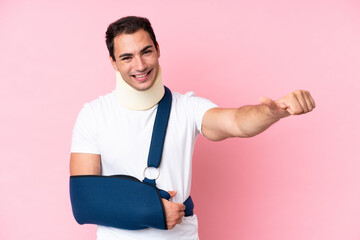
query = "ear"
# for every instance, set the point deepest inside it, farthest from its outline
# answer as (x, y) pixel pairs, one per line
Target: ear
(113, 63)
(158, 49)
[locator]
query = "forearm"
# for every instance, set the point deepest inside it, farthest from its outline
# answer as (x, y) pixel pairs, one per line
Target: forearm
(251, 120)
(119, 202)
(246, 121)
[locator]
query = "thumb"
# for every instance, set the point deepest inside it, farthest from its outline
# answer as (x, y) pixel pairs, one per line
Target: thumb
(172, 193)
(267, 102)
(281, 104)
(271, 103)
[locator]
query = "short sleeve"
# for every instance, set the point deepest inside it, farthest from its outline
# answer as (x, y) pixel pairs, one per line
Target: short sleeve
(199, 107)
(84, 138)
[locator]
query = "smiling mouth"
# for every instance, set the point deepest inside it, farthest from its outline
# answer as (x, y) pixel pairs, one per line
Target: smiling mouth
(141, 75)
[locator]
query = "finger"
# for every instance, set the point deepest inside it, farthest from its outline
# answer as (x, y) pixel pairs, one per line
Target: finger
(301, 99)
(274, 106)
(281, 104)
(179, 220)
(290, 111)
(311, 100)
(181, 207)
(172, 193)
(308, 101)
(295, 105)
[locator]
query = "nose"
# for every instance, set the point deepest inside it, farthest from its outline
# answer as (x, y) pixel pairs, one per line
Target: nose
(139, 64)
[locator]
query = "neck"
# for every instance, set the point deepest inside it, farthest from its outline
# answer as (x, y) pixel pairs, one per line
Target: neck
(133, 99)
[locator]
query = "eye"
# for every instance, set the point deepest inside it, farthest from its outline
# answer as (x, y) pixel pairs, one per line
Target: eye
(147, 52)
(126, 59)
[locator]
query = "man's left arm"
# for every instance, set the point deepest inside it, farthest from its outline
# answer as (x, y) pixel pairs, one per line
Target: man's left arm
(248, 121)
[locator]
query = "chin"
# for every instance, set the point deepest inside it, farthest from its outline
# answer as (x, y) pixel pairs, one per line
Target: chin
(143, 87)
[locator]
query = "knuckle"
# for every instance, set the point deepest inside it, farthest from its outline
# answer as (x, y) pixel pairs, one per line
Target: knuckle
(293, 95)
(299, 111)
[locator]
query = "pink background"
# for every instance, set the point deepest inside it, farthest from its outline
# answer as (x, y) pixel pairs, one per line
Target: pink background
(298, 180)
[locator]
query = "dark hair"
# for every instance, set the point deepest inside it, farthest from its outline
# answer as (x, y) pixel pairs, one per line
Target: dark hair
(127, 25)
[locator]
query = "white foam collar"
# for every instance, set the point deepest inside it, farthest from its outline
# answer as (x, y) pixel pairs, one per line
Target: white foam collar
(133, 99)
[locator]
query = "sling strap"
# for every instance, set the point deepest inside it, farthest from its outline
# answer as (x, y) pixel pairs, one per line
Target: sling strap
(157, 145)
(159, 132)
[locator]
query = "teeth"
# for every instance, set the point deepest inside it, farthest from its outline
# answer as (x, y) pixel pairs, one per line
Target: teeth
(140, 76)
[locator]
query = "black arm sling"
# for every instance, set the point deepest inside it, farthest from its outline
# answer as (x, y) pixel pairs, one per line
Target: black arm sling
(123, 201)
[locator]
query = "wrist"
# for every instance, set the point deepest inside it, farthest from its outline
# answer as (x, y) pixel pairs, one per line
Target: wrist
(275, 114)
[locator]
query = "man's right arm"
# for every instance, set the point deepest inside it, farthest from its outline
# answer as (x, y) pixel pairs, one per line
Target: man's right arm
(90, 164)
(85, 164)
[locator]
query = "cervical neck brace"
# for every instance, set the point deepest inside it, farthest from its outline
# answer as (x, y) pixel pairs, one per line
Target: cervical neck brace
(133, 99)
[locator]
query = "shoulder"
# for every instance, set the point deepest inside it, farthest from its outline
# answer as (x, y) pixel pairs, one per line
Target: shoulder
(190, 99)
(99, 104)
(184, 98)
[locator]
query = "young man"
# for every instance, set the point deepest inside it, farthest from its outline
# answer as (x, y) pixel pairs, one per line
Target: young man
(112, 134)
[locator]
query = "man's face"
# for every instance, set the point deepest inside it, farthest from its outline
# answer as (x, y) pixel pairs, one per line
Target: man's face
(137, 59)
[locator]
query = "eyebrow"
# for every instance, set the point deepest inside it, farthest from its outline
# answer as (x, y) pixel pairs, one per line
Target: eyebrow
(130, 54)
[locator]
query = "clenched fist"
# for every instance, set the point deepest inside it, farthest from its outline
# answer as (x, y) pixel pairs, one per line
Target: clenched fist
(295, 103)
(174, 211)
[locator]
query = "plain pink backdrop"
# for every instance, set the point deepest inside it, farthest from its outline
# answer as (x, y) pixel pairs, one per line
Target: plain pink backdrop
(298, 180)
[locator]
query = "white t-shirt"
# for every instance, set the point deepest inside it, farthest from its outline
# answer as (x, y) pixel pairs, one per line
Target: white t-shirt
(122, 137)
